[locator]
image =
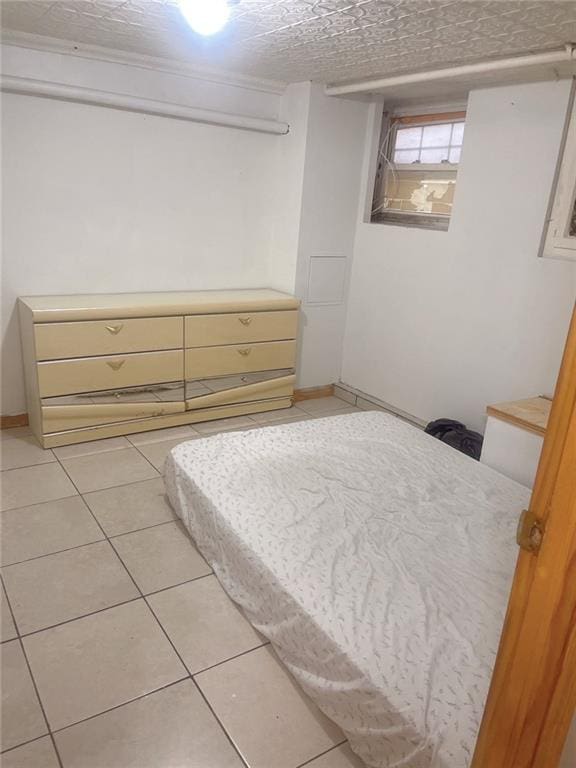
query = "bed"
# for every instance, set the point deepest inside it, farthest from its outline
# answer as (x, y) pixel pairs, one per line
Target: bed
(376, 559)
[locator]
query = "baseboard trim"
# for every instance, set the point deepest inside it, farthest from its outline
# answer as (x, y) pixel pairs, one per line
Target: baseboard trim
(311, 393)
(9, 422)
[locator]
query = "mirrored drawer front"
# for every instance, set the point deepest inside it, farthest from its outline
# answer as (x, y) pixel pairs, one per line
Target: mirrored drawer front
(262, 385)
(57, 418)
(211, 362)
(150, 393)
(56, 341)
(214, 330)
(94, 374)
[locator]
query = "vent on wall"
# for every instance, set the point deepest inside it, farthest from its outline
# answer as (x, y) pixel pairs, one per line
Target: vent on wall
(326, 279)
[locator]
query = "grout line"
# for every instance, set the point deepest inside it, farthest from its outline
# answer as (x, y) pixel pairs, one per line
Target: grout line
(81, 616)
(123, 704)
(180, 584)
(3, 587)
(169, 639)
(37, 503)
(234, 747)
(225, 661)
(326, 752)
(23, 744)
(49, 554)
(146, 528)
(107, 607)
(29, 466)
(37, 692)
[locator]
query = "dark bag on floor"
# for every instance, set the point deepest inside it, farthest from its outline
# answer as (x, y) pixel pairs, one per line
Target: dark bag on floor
(454, 433)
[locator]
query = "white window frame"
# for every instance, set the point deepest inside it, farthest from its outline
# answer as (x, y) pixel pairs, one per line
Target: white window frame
(558, 243)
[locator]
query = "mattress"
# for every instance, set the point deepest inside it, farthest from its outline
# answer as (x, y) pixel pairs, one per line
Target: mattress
(376, 559)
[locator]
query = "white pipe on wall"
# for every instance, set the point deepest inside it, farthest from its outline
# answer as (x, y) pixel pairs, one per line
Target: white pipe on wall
(568, 54)
(63, 92)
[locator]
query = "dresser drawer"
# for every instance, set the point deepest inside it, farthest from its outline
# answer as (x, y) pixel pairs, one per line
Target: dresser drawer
(65, 377)
(58, 418)
(55, 341)
(241, 328)
(204, 362)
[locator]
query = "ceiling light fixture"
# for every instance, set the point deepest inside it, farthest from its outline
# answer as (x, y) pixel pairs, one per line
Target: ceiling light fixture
(206, 17)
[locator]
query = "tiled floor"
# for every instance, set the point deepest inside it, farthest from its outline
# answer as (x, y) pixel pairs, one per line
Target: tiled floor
(119, 647)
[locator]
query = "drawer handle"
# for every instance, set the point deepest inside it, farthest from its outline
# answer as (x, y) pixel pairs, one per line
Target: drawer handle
(114, 329)
(244, 352)
(245, 320)
(115, 365)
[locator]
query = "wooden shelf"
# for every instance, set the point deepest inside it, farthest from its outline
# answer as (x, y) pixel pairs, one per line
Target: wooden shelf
(531, 414)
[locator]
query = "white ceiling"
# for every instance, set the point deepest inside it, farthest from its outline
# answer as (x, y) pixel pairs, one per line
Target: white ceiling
(325, 40)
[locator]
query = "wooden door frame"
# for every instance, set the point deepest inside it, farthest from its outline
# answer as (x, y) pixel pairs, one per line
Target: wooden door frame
(532, 695)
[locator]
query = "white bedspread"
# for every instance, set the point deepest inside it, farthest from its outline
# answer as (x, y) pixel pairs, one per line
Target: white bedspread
(376, 559)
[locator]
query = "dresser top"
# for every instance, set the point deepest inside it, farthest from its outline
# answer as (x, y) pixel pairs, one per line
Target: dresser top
(105, 306)
(530, 414)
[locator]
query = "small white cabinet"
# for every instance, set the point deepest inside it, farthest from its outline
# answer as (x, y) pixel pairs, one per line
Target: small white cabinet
(514, 436)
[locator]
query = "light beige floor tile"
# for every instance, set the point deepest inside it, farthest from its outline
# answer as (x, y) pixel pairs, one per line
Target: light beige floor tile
(283, 414)
(106, 470)
(100, 661)
(320, 405)
(340, 757)
(160, 557)
(366, 405)
(224, 425)
(131, 507)
(16, 432)
(61, 587)
(22, 717)
(7, 626)
(33, 485)
(37, 754)
(46, 528)
(344, 394)
(172, 728)
(185, 432)
(203, 623)
(91, 447)
(345, 410)
(265, 713)
(22, 451)
(156, 453)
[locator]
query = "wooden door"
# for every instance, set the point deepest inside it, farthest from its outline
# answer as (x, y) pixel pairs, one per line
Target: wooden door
(532, 696)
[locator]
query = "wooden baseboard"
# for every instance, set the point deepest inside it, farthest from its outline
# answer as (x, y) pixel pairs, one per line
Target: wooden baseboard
(9, 422)
(313, 392)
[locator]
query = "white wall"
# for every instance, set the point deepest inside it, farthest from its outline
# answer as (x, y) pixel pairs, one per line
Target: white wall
(98, 200)
(334, 149)
(443, 323)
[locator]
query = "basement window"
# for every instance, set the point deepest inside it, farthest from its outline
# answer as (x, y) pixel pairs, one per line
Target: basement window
(418, 158)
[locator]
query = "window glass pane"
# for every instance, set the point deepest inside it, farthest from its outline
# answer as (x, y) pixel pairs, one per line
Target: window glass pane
(455, 154)
(436, 135)
(419, 191)
(406, 156)
(407, 138)
(457, 134)
(434, 155)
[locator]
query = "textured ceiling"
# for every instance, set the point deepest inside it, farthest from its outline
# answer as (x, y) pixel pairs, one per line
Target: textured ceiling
(327, 40)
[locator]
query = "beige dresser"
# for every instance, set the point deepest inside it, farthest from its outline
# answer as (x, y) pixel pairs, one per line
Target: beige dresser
(112, 364)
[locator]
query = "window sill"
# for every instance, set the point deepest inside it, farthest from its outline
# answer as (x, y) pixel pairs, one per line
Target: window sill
(414, 220)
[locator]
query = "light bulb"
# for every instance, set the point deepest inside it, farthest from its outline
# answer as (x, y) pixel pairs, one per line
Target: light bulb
(206, 17)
